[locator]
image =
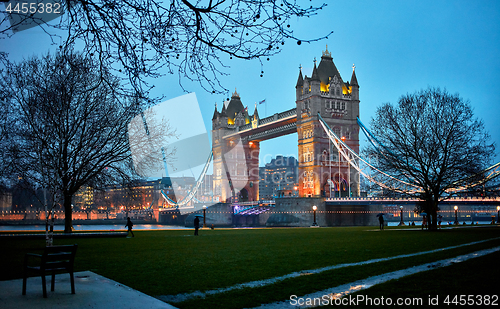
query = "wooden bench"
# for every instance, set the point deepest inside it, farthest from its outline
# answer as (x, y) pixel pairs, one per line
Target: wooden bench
(55, 259)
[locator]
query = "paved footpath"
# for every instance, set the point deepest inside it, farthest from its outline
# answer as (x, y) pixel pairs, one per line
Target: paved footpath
(91, 291)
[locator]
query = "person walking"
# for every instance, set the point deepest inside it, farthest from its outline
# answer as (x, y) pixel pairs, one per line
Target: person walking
(381, 221)
(129, 225)
(196, 225)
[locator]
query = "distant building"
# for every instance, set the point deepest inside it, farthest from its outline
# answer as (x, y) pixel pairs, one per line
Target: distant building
(279, 178)
(136, 195)
(206, 190)
(83, 198)
(142, 194)
(25, 197)
(5, 201)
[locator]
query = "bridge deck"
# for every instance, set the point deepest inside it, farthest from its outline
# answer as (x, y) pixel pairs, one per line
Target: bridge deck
(270, 127)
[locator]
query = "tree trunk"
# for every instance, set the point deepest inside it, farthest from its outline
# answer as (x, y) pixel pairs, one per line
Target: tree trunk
(430, 207)
(68, 213)
(433, 221)
(433, 209)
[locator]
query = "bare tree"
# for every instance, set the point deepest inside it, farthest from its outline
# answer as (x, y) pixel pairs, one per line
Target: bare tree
(432, 141)
(194, 39)
(69, 127)
(4, 125)
(4, 130)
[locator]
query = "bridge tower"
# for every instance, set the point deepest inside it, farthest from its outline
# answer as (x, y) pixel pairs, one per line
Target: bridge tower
(338, 103)
(236, 158)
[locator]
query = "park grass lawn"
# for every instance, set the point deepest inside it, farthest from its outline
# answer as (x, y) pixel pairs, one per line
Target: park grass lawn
(172, 262)
(318, 282)
(475, 279)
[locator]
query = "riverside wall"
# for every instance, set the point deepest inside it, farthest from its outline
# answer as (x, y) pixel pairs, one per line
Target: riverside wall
(287, 212)
(298, 212)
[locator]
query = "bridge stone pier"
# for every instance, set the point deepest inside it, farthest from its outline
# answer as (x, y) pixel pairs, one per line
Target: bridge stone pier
(322, 171)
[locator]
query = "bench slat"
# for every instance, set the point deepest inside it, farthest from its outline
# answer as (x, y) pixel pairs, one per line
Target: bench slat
(55, 259)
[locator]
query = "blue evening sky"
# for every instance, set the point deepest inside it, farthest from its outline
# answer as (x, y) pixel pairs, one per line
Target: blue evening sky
(398, 47)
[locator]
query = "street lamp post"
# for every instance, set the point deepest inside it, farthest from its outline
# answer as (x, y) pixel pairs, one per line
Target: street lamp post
(498, 214)
(314, 210)
(204, 212)
(401, 215)
(456, 215)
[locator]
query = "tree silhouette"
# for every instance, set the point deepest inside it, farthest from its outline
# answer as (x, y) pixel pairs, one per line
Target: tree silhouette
(69, 128)
(140, 39)
(432, 141)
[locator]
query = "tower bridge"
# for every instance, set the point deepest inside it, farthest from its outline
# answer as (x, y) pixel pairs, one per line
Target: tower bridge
(325, 117)
(237, 136)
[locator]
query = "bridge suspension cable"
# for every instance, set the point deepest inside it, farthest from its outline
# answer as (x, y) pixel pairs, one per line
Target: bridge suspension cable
(477, 179)
(380, 147)
(368, 171)
(192, 193)
(389, 182)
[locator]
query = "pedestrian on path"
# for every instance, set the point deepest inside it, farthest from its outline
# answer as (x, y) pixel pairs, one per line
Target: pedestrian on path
(440, 219)
(196, 225)
(424, 222)
(381, 221)
(129, 225)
